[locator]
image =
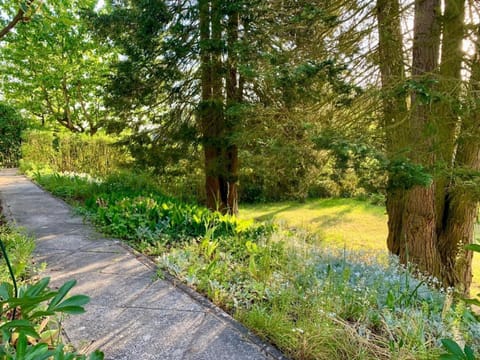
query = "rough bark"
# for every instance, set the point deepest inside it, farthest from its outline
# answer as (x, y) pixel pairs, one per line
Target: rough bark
(392, 72)
(220, 89)
(462, 206)
(419, 217)
(207, 121)
(446, 116)
(429, 226)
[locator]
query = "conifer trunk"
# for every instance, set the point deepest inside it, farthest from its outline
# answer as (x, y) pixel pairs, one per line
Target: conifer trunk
(220, 90)
(206, 115)
(429, 226)
(394, 108)
(234, 98)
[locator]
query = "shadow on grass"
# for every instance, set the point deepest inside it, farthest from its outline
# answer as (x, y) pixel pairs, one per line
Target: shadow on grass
(332, 220)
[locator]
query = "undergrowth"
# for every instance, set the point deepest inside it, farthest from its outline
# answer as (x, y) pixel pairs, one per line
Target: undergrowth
(313, 303)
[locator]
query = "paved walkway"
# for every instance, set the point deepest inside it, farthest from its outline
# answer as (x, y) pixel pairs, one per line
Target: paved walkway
(130, 315)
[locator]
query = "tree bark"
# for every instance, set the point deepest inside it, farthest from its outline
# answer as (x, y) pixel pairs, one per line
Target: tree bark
(234, 98)
(430, 225)
(462, 206)
(207, 121)
(446, 117)
(395, 114)
(220, 90)
(419, 217)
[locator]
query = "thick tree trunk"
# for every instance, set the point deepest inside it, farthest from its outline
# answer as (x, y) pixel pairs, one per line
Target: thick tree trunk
(462, 206)
(446, 116)
(395, 113)
(221, 154)
(429, 226)
(207, 121)
(419, 217)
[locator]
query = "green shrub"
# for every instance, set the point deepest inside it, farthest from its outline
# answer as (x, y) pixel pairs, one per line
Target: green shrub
(11, 127)
(66, 152)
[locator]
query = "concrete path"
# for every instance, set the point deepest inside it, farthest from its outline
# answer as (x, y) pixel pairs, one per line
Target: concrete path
(131, 315)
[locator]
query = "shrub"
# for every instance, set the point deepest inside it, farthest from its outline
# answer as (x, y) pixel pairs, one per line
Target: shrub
(11, 127)
(66, 152)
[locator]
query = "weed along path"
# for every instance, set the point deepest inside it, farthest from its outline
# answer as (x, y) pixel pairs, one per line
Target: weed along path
(131, 315)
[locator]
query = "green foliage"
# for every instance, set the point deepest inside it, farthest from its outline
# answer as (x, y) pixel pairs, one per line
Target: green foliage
(35, 334)
(371, 165)
(455, 352)
(19, 247)
(11, 127)
(133, 208)
(30, 327)
(65, 152)
(453, 349)
(312, 303)
(60, 83)
(319, 304)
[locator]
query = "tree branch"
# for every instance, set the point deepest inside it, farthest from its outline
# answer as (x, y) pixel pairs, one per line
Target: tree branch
(19, 17)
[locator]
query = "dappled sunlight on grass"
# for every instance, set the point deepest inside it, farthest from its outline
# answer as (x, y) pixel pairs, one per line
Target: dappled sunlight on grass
(348, 223)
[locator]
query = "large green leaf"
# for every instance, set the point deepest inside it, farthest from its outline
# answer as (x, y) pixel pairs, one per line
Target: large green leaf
(62, 292)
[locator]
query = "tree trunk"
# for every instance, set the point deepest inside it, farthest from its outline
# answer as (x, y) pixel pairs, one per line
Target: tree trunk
(234, 98)
(446, 116)
(394, 108)
(463, 205)
(419, 217)
(206, 118)
(429, 226)
(218, 128)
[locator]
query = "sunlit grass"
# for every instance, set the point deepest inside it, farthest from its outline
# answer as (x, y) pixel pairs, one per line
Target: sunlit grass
(341, 223)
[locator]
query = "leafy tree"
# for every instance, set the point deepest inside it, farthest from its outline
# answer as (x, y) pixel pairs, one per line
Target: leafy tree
(54, 70)
(23, 12)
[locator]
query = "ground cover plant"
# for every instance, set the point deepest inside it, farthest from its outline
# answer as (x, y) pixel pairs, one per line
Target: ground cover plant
(313, 303)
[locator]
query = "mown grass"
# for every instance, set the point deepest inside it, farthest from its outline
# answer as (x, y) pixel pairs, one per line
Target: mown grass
(349, 224)
(344, 223)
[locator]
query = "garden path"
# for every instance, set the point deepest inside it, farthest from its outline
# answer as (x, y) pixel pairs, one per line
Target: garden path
(132, 314)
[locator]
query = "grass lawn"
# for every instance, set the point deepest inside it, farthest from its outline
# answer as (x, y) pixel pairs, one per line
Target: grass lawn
(344, 223)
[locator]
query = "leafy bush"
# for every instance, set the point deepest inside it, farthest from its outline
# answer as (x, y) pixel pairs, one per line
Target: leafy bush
(95, 155)
(11, 127)
(30, 327)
